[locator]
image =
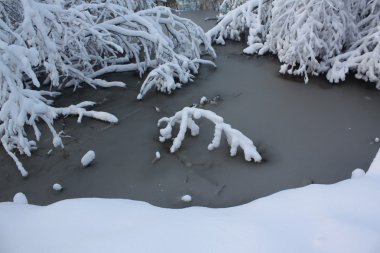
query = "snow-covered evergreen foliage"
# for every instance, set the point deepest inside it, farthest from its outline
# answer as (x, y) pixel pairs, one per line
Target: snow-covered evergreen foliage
(310, 37)
(228, 5)
(64, 43)
(185, 120)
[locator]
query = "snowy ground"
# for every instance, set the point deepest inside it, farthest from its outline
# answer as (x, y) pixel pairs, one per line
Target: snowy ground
(307, 132)
(343, 218)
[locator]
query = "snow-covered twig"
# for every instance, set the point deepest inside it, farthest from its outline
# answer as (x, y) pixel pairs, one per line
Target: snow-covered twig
(185, 119)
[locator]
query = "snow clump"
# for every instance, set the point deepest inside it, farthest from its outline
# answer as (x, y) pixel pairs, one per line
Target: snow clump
(20, 198)
(88, 158)
(186, 198)
(57, 187)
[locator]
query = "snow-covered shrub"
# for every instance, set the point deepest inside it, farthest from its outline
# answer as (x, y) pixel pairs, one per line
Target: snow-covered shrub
(64, 43)
(185, 120)
(363, 55)
(309, 37)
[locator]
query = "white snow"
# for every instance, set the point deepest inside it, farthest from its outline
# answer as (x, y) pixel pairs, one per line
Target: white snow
(88, 158)
(338, 218)
(158, 155)
(57, 187)
(186, 198)
(377, 139)
(20, 198)
(357, 173)
(203, 100)
(184, 118)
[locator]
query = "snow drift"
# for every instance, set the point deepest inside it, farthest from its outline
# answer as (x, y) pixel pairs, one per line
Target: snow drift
(342, 217)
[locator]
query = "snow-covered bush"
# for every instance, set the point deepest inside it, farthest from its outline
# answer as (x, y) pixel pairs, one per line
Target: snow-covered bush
(64, 43)
(309, 37)
(185, 120)
(228, 5)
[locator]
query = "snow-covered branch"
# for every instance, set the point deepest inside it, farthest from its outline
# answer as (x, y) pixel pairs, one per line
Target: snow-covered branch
(185, 120)
(64, 43)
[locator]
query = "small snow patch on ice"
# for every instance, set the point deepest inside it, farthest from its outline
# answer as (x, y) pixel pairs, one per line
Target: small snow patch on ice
(377, 140)
(158, 155)
(57, 187)
(357, 173)
(20, 198)
(186, 198)
(204, 100)
(88, 158)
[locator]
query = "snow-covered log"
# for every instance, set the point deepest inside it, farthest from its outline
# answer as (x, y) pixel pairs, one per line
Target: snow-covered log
(185, 120)
(309, 37)
(52, 44)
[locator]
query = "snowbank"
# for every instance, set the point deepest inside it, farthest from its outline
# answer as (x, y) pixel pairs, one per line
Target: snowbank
(342, 217)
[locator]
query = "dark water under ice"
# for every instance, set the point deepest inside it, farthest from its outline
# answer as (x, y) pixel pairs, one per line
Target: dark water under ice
(307, 133)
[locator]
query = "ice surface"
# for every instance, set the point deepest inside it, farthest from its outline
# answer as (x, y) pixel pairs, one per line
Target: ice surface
(186, 198)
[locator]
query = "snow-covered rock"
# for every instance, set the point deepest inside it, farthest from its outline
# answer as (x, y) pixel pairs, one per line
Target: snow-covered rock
(20, 198)
(186, 198)
(185, 117)
(377, 139)
(57, 187)
(158, 155)
(357, 173)
(203, 100)
(88, 158)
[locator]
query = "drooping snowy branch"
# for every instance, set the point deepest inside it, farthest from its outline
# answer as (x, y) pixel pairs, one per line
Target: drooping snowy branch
(64, 43)
(185, 119)
(309, 37)
(164, 76)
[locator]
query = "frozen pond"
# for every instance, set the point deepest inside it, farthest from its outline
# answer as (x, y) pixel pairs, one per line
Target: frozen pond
(314, 133)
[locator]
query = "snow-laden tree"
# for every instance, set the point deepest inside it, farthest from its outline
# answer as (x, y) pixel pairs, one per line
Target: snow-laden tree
(309, 37)
(66, 43)
(363, 55)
